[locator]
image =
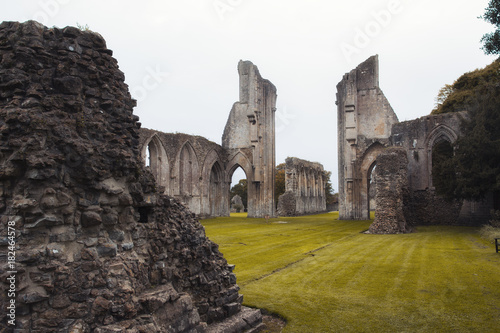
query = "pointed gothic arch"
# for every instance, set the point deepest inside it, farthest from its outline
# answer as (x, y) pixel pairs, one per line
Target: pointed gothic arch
(187, 172)
(368, 163)
(439, 134)
(239, 161)
(155, 158)
(215, 186)
(216, 191)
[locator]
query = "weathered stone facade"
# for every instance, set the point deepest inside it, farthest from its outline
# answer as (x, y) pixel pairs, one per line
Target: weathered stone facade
(198, 172)
(304, 188)
(367, 126)
(98, 248)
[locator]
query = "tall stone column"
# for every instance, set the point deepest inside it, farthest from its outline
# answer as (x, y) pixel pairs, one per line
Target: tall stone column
(365, 119)
(250, 131)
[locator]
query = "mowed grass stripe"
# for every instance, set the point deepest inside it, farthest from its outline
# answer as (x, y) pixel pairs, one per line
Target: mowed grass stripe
(326, 276)
(274, 245)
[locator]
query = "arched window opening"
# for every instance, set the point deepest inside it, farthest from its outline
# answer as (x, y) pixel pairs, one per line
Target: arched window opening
(372, 188)
(155, 158)
(148, 156)
(215, 190)
(443, 172)
(188, 169)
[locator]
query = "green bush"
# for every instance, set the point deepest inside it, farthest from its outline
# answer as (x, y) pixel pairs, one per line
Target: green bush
(492, 230)
(489, 233)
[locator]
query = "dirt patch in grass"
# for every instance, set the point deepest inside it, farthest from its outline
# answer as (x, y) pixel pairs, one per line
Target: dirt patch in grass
(274, 324)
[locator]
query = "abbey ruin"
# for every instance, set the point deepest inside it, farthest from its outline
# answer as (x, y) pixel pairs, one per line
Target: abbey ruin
(105, 212)
(198, 172)
(367, 125)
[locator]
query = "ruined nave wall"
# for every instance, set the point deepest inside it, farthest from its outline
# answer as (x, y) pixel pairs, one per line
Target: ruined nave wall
(305, 183)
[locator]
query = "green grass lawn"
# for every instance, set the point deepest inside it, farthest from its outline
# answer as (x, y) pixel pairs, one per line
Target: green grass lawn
(325, 275)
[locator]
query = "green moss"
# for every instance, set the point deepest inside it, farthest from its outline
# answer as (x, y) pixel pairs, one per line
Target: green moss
(324, 275)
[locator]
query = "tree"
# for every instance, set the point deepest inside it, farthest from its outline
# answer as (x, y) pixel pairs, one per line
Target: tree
(442, 96)
(330, 196)
(472, 169)
(279, 183)
(241, 189)
(491, 41)
(477, 151)
(463, 93)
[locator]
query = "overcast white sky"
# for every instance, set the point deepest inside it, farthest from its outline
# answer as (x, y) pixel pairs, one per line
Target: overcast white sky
(180, 56)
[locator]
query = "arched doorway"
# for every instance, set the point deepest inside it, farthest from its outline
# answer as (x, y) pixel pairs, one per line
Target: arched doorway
(188, 171)
(238, 187)
(215, 192)
(366, 174)
(442, 172)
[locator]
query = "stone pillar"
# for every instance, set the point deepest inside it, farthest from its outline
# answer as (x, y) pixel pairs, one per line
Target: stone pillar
(391, 192)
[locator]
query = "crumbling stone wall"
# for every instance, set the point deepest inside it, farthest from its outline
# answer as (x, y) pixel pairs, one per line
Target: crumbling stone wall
(418, 137)
(287, 204)
(304, 188)
(189, 168)
(97, 247)
(391, 192)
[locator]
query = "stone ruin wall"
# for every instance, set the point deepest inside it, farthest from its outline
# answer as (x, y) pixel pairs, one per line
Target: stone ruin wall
(391, 192)
(418, 137)
(304, 188)
(189, 168)
(98, 248)
(367, 125)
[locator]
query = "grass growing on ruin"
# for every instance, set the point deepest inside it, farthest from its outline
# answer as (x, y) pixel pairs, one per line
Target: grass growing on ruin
(324, 275)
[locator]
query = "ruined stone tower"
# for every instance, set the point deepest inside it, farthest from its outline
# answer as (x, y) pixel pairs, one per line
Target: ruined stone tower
(249, 138)
(365, 120)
